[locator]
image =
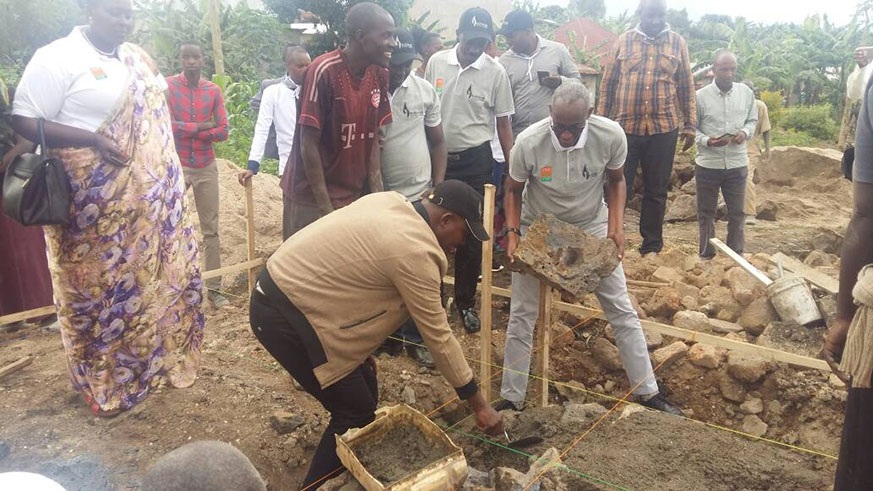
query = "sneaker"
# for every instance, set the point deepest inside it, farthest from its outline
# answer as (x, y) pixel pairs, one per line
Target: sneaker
(421, 355)
(507, 404)
(470, 320)
(660, 403)
(218, 300)
(496, 267)
(750, 220)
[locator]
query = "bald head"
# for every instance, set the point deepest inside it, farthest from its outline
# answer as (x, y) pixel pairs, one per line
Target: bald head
(365, 16)
(572, 92)
(570, 109)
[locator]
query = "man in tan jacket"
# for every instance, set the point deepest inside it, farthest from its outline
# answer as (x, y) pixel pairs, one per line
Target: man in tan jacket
(335, 290)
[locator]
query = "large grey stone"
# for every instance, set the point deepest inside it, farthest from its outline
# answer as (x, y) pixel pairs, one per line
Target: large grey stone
(565, 256)
(682, 209)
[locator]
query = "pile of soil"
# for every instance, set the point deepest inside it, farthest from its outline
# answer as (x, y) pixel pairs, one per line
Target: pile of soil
(399, 452)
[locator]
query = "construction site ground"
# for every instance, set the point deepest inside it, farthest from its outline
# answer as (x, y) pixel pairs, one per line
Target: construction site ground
(749, 425)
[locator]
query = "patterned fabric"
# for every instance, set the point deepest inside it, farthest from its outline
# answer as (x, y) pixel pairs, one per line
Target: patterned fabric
(644, 79)
(126, 271)
(348, 113)
(189, 107)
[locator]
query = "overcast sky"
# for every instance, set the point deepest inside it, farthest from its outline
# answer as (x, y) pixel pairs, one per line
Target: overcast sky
(839, 11)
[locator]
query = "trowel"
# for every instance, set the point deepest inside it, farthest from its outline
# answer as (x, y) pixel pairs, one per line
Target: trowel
(524, 442)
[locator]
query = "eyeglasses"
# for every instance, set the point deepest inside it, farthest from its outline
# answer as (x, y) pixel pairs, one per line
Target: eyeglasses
(573, 129)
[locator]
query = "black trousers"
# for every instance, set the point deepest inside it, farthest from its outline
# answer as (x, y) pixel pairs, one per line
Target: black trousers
(475, 167)
(351, 401)
(655, 154)
(855, 467)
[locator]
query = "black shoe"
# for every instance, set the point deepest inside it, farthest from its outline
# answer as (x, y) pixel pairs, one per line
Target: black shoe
(392, 347)
(421, 355)
(659, 403)
(470, 320)
(496, 267)
(507, 404)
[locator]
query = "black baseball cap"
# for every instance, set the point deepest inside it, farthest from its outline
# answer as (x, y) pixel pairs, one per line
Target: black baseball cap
(404, 48)
(462, 200)
(517, 20)
(476, 23)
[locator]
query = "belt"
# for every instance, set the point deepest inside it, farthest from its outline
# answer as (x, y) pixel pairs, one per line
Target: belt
(457, 156)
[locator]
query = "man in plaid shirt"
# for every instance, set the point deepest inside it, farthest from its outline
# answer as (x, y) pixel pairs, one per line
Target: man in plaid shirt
(648, 89)
(199, 120)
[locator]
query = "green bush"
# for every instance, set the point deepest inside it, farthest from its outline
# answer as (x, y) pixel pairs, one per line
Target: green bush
(813, 120)
(781, 137)
(775, 106)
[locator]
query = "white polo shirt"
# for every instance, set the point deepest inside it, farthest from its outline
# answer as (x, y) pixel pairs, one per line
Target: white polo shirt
(567, 182)
(406, 165)
(69, 82)
(278, 108)
(472, 98)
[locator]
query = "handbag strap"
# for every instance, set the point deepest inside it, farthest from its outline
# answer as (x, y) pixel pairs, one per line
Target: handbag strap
(40, 124)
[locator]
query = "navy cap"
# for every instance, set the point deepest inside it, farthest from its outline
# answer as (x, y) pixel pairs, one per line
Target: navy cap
(462, 200)
(517, 20)
(404, 48)
(476, 23)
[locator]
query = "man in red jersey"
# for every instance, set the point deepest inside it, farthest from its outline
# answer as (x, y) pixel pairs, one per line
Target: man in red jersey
(335, 155)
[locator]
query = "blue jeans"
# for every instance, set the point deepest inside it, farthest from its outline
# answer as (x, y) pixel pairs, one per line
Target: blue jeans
(409, 332)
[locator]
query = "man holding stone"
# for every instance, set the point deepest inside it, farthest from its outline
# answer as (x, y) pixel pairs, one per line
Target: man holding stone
(561, 164)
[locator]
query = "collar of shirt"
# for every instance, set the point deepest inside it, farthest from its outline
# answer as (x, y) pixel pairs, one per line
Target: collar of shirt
(717, 89)
(453, 60)
(404, 85)
(530, 58)
(182, 80)
(583, 138)
(290, 83)
(648, 38)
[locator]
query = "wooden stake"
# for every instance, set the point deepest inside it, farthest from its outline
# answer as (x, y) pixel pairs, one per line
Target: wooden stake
(27, 314)
(250, 226)
(685, 334)
(215, 24)
(485, 300)
(811, 275)
(544, 339)
(15, 366)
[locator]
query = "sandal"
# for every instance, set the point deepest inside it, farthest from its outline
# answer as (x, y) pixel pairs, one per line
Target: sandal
(95, 408)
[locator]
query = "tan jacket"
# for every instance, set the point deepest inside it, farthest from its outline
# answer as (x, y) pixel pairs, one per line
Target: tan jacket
(358, 273)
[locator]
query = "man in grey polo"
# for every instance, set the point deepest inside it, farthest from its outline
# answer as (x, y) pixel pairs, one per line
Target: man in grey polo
(535, 67)
(413, 149)
(475, 96)
(726, 118)
(561, 164)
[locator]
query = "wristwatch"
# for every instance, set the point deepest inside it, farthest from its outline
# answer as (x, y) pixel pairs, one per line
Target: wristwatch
(514, 231)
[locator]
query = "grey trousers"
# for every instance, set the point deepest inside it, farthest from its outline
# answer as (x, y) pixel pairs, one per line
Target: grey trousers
(296, 216)
(732, 183)
(204, 182)
(613, 297)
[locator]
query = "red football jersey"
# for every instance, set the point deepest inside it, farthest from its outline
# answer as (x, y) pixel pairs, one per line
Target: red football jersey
(349, 113)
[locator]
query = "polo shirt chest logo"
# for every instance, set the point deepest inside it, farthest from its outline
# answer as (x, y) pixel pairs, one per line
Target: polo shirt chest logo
(473, 97)
(546, 173)
(411, 113)
(98, 73)
(439, 85)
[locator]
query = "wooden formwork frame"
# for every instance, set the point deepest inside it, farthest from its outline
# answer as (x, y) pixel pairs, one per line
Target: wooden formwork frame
(251, 265)
(485, 300)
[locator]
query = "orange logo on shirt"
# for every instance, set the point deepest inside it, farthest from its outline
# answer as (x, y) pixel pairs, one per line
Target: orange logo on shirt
(546, 173)
(98, 72)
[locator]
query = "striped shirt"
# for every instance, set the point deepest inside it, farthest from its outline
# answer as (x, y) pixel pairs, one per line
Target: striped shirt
(348, 112)
(644, 79)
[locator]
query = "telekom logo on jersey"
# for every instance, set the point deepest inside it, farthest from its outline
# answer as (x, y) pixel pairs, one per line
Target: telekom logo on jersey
(349, 134)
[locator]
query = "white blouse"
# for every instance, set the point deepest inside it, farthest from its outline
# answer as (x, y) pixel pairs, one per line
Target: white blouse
(69, 82)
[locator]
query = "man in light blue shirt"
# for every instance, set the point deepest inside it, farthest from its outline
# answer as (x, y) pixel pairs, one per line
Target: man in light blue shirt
(726, 119)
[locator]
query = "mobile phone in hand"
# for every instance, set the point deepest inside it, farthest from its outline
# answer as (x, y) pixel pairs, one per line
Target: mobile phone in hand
(542, 74)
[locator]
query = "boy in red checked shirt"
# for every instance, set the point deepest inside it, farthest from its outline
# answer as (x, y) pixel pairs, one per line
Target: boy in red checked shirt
(335, 155)
(199, 120)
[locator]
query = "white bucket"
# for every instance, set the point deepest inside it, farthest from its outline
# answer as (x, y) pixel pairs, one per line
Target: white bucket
(793, 300)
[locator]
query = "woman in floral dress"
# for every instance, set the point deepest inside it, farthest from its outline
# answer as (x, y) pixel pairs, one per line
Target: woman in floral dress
(125, 271)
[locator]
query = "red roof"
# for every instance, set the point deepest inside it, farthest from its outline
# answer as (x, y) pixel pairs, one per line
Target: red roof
(590, 36)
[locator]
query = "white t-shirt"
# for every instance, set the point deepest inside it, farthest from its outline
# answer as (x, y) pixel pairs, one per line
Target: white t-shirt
(69, 82)
(279, 108)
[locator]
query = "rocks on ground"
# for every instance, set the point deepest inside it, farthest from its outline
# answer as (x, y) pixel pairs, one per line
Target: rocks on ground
(767, 210)
(565, 256)
(682, 209)
(753, 425)
(669, 354)
(705, 356)
(284, 422)
(746, 368)
(606, 354)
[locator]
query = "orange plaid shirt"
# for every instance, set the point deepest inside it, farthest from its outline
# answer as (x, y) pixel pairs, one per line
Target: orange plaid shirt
(647, 84)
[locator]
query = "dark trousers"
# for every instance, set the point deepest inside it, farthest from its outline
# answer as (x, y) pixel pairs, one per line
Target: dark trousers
(855, 467)
(475, 167)
(351, 401)
(732, 183)
(655, 154)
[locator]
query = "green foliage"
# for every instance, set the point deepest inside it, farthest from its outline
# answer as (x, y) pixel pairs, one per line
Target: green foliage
(28, 25)
(775, 106)
(240, 118)
(422, 22)
(813, 120)
(252, 41)
(781, 137)
(590, 9)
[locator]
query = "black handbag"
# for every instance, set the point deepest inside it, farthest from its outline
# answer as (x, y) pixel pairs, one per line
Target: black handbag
(36, 190)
